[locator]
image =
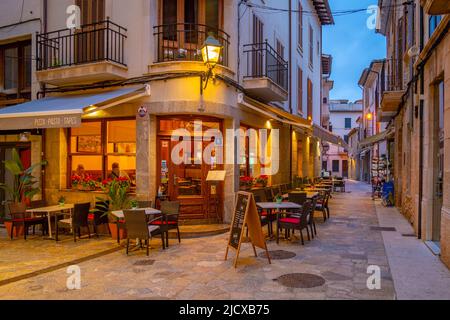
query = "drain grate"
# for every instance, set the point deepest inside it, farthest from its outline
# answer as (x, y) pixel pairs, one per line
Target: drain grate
(300, 280)
(390, 229)
(144, 263)
(412, 235)
(278, 255)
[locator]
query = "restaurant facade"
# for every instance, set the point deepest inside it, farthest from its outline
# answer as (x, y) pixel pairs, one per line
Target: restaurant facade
(130, 89)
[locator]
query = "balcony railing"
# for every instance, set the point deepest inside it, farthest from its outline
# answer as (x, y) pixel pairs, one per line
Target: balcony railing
(392, 79)
(264, 62)
(184, 41)
(101, 41)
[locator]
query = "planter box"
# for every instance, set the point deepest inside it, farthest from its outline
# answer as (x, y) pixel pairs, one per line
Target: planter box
(113, 229)
(18, 230)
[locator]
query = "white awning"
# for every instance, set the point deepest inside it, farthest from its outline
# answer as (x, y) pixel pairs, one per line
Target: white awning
(374, 139)
(327, 136)
(64, 111)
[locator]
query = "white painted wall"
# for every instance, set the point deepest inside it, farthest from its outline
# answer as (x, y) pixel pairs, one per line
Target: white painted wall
(337, 117)
(276, 26)
(17, 23)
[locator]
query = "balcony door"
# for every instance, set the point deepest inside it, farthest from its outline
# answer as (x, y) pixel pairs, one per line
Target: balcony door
(258, 47)
(90, 39)
(184, 26)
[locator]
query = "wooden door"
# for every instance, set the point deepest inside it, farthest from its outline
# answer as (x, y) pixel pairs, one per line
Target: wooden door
(345, 168)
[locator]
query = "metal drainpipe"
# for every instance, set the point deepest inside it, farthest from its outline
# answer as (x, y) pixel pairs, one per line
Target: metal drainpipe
(290, 56)
(290, 87)
(44, 136)
(421, 105)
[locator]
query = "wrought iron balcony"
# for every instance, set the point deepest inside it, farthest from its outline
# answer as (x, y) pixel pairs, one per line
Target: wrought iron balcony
(101, 41)
(393, 89)
(265, 64)
(184, 41)
(392, 79)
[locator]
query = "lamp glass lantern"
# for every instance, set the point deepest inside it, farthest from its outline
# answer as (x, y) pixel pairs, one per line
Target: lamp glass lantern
(211, 51)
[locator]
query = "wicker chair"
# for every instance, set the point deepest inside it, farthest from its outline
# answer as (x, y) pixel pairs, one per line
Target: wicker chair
(20, 217)
(170, 213)
(139, 228)
(298, 221)
(79, 219)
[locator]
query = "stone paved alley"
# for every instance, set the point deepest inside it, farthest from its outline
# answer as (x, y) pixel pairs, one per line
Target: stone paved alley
(346, 245)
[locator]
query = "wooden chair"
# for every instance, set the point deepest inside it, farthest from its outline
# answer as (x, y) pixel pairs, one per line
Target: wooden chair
(299, 221)
(20, 217)
(79, 219)
(139, 228)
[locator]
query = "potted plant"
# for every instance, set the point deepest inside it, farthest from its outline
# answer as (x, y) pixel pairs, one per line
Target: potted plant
(24, 184)
(89, 183)
(76, 181)
(134, 204)
(262, 181)
(279, 198)
(62, 201)
(246, 183)
(117, 192)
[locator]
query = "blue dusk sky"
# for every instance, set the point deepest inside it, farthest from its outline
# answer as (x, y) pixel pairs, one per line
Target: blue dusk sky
(353, 46)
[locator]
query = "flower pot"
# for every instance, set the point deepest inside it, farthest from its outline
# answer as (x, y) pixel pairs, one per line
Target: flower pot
(18, 229)
(113, 229)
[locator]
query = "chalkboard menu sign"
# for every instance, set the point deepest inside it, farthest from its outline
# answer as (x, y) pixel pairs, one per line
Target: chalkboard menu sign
(246, 215)
(238, 220)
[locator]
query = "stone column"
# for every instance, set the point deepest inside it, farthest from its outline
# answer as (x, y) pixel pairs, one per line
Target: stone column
(145, 158)
(231, 184)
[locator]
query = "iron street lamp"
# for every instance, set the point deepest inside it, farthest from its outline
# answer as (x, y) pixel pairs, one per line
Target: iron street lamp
(211, 52)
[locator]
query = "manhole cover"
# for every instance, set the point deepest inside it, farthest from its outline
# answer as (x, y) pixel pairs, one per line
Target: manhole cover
(383, 229)
(36, 288)
(301, 280)
(144, 263)
(278, 255)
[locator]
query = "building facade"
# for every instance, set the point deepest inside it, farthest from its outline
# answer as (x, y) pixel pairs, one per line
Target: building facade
(343, 118)
(374, 136)
(415, 103)
(129, 87)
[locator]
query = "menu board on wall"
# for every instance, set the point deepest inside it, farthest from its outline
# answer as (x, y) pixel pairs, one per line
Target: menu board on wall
(246, 215)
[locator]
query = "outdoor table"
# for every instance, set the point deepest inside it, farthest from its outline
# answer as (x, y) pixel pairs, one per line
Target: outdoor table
(278, 207)
(120, 215)
(52, 210)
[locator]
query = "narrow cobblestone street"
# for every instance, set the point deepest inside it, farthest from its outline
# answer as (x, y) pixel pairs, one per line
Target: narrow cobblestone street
(346, 245)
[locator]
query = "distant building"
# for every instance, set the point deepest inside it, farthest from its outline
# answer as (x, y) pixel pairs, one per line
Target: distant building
(343, 118)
